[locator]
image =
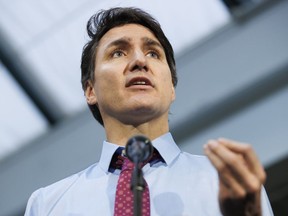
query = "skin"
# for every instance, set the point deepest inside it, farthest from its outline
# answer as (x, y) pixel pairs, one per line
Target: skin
(124, 54)
(241, 176)
(131, 53)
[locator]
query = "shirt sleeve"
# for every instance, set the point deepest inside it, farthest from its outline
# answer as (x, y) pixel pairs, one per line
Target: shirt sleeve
(265, 203)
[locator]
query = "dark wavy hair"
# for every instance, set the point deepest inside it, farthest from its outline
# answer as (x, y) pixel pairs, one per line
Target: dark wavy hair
(102, 22)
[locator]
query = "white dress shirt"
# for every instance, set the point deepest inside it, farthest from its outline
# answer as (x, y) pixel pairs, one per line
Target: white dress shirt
(185, 184)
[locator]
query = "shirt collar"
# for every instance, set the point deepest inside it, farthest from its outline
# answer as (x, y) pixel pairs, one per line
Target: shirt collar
(164, 144)
(108, 150)
(167, 148)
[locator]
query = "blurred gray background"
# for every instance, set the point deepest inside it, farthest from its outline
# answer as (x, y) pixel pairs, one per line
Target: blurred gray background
(232, 62)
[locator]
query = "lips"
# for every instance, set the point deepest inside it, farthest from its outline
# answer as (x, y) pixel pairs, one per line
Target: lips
(139, 81)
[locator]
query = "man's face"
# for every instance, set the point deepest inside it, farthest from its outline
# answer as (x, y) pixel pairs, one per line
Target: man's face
(132, 77)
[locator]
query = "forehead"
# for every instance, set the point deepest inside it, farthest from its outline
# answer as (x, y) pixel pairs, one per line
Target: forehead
(132, 32)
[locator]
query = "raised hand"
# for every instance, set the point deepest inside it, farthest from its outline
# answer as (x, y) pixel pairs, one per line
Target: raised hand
(241, 177)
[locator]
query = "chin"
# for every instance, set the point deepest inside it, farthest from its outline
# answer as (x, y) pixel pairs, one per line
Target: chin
(143, 110)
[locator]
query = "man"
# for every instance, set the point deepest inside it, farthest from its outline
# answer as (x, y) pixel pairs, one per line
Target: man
(129, 78)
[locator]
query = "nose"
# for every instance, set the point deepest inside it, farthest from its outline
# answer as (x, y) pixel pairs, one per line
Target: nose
(138, 61)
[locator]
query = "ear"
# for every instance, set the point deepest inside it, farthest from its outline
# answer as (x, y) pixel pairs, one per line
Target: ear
(173, 93)
(90, 94)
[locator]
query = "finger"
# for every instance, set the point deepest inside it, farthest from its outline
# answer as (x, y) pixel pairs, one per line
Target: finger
(238, 168)
(249, 154)
(229, 186)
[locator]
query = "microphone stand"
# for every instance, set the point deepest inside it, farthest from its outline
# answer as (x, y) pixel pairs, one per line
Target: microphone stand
(137, 186)
(138, 150)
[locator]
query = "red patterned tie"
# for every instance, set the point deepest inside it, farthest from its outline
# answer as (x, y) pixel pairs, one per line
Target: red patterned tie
(124, 195)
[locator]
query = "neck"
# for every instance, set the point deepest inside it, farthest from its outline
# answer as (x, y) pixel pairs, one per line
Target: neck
(119, 133)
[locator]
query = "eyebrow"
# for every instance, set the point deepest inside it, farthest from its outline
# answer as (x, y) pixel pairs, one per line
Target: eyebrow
(124, 41)
(150, 42)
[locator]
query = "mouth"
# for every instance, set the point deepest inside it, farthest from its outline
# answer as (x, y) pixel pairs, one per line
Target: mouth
(139, 81)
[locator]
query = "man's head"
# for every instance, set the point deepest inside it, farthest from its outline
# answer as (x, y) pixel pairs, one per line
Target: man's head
(102, 22)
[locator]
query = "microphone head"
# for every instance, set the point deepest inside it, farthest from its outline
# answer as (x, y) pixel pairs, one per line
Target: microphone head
(138, 149)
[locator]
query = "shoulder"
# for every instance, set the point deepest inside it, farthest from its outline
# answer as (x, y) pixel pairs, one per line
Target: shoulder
(44, 198)
(64, 184)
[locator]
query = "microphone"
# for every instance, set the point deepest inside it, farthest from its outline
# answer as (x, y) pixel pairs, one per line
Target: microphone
(138, 149)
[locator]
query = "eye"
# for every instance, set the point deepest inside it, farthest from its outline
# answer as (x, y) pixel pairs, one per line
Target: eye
(117, 53)
(153, 54)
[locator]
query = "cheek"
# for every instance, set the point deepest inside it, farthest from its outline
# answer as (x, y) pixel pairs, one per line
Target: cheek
(167, 78)
(108, 84)
(108, 75)
(168, 85)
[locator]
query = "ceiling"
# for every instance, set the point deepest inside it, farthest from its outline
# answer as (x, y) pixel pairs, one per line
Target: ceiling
(236, 85)
(45, 39)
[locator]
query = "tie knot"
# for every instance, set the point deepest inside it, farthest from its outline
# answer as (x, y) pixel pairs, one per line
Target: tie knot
(121, 162)
(127, 164)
